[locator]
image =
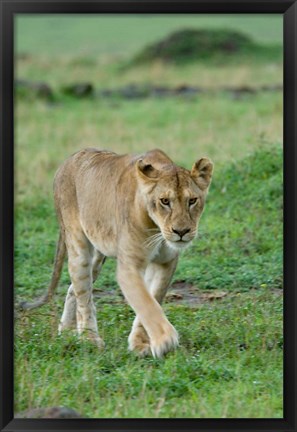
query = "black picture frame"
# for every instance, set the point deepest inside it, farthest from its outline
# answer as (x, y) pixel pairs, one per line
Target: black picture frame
(9, 8)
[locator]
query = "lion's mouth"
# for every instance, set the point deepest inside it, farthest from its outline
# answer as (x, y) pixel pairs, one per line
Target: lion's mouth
(179, 244)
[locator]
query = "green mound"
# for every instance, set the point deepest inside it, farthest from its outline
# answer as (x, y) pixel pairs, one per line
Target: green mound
(190, 45)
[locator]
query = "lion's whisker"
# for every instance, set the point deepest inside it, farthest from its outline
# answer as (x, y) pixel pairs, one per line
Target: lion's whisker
(153, 240)
(153, 229)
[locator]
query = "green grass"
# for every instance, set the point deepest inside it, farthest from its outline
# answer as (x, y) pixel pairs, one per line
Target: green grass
(229, 363)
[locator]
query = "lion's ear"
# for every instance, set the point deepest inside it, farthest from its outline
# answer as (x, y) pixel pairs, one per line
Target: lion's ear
(146, 170)
(202, 172)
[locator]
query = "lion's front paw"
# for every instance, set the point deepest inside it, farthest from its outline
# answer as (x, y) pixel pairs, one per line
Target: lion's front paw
(139, 342)
(166, 341)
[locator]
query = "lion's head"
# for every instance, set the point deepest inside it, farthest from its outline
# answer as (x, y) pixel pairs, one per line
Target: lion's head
(174, 197)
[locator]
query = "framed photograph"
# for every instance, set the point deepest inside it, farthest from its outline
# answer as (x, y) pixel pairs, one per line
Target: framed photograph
(148, 215)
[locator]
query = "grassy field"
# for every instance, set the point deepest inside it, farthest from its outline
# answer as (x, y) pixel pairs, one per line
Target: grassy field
(226, 297)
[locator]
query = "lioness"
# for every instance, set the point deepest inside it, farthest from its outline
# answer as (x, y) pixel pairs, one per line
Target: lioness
(143, 210)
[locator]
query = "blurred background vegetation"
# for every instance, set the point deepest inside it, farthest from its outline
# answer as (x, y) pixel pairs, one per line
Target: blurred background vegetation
(192, 86)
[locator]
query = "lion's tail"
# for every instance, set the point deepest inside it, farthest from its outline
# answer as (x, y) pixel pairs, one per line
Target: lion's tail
(58, 265)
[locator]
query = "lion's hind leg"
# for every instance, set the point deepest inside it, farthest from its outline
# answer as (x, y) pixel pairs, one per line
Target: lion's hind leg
(79, 307)
(68, 319)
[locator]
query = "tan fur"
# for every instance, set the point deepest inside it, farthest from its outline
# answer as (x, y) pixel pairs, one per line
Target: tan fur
(134, 208)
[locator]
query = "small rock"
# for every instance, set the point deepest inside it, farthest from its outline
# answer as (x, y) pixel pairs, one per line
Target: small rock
(79, 90)
(50, 413)
(37, 89)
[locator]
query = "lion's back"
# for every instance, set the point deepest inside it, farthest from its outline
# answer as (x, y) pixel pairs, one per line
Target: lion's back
(88, 186)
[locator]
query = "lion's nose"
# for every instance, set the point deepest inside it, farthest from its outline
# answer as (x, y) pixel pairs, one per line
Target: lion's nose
(181, 233)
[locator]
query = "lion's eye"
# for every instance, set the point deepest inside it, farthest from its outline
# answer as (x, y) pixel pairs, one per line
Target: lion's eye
(165, 201)
(192, 201)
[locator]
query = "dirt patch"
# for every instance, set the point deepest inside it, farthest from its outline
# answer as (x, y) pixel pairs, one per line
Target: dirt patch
(277, 291)
(109, 295)
(186, 293)
(179, 292)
